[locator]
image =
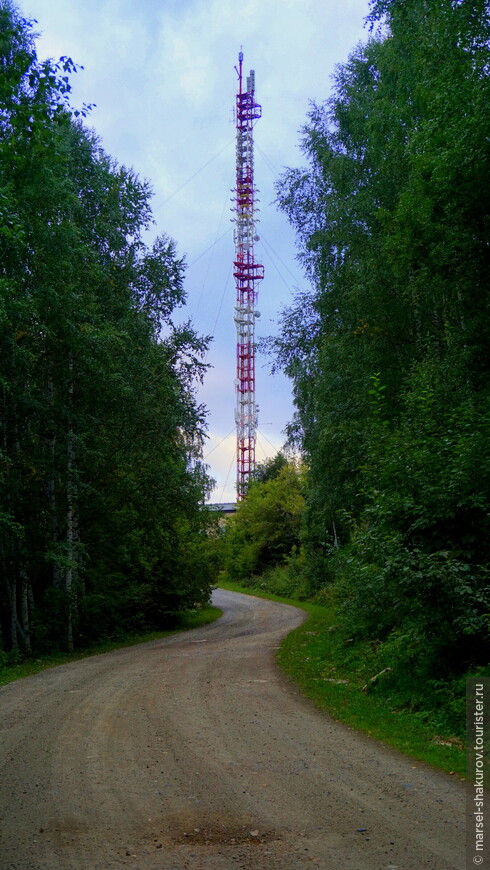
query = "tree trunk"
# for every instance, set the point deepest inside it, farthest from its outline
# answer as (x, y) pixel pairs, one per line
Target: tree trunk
(14, 642)
(51, 495)
(71, 519)
(25, 621)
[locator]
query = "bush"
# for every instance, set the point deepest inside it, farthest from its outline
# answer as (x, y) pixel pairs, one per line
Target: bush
(266, 528)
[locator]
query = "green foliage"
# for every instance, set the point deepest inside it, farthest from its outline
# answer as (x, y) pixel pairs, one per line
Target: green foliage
(102, 485)
(265, 531)
(418, 558)
(270, 468)
(388, 351)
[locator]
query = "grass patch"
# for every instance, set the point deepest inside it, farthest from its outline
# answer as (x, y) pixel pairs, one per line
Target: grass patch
(334, 673)
(27, 667)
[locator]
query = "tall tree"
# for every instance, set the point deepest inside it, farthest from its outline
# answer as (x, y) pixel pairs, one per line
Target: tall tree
(388, 351)
(102, 484)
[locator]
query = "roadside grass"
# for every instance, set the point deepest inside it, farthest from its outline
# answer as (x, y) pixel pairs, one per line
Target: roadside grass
(337, 676)
(16, 670)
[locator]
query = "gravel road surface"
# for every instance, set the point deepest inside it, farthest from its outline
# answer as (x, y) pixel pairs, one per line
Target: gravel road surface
(195, 752)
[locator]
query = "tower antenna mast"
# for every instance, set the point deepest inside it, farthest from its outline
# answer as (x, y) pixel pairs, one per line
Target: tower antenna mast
(247, 273)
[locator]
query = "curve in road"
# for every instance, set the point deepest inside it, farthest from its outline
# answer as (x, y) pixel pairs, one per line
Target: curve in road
(195, 752)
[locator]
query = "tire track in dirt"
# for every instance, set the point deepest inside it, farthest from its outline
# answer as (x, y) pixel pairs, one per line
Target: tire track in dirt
(196, 752)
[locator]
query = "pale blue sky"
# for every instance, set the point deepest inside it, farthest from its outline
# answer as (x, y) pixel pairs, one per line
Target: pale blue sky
(162, 77)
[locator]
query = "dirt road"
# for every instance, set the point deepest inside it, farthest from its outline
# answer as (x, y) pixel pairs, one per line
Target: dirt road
(195, 752)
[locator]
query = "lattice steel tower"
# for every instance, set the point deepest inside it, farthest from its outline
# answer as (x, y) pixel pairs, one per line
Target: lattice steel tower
(247, 273)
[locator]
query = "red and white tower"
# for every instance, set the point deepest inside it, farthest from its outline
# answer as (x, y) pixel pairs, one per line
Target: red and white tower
(247, 273)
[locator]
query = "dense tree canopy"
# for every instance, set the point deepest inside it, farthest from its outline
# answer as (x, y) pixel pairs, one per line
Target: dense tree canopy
(100, 515)
(388, 351)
